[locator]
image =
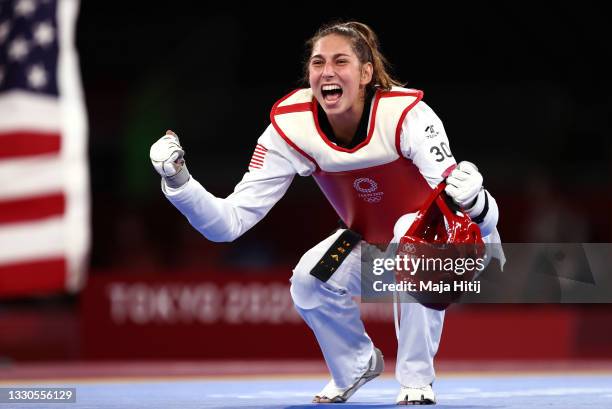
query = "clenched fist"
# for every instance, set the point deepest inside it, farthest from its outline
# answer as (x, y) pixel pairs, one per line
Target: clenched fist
(167, 159)
(463, 184)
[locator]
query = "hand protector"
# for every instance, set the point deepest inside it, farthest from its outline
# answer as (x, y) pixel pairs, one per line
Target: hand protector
(463, 184)
(167, 159)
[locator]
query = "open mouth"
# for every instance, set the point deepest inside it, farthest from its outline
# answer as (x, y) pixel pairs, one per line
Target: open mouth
(331, 93)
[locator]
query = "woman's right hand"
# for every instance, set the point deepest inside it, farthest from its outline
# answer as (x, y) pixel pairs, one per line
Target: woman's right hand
(167, 158)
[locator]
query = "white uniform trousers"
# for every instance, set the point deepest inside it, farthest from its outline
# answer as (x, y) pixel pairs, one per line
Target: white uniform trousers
(330, 311)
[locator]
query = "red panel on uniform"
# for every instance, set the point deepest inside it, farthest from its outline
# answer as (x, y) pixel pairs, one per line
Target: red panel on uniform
(371, 200)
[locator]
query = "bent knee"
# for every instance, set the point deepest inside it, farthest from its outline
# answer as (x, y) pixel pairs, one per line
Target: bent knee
(305, 289)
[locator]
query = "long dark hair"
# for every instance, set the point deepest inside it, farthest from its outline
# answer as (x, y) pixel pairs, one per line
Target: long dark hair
(364, 42)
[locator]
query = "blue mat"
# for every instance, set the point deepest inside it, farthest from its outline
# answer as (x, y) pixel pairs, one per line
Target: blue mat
(491, 392)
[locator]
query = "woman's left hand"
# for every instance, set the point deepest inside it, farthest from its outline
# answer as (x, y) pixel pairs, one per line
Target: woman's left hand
(463, 184)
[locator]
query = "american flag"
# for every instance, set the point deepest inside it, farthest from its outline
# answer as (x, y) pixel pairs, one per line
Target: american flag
(44, 192)
(258, 158)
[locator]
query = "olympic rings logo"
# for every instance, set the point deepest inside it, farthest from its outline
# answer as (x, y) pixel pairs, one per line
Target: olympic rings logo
(371, 185)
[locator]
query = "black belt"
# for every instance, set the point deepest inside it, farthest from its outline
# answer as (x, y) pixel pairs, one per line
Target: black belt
(335, 255)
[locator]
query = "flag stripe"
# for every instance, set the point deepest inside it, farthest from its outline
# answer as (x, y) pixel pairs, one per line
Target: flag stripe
(40, 276)
(35, 240)
(261, 147)
(23, 143)
(34, 176)
(257, 161)
(32, 208)
(29, 111)
(258, 156)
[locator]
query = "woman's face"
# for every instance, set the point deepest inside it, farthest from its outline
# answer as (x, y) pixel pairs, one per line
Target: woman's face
(336, 76)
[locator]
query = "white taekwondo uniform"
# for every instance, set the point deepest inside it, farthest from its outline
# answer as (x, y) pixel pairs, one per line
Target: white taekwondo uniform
(405, 153)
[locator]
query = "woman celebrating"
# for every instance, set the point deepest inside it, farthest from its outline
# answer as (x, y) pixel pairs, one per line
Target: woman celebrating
(376, 150)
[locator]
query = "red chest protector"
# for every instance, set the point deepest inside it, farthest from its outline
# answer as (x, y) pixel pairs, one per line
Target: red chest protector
(371, 200)
(370, 186)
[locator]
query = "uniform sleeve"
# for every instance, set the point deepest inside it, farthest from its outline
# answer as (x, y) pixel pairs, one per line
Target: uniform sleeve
(424, 141)
(270, 172)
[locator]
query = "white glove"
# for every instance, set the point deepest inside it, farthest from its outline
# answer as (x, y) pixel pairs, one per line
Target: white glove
(463, 184)
(167, 159)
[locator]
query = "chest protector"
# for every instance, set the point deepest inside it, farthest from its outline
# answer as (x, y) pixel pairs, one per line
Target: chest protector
(371, 185)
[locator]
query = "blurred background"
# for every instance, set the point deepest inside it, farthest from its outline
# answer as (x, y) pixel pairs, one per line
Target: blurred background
(523, 93)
